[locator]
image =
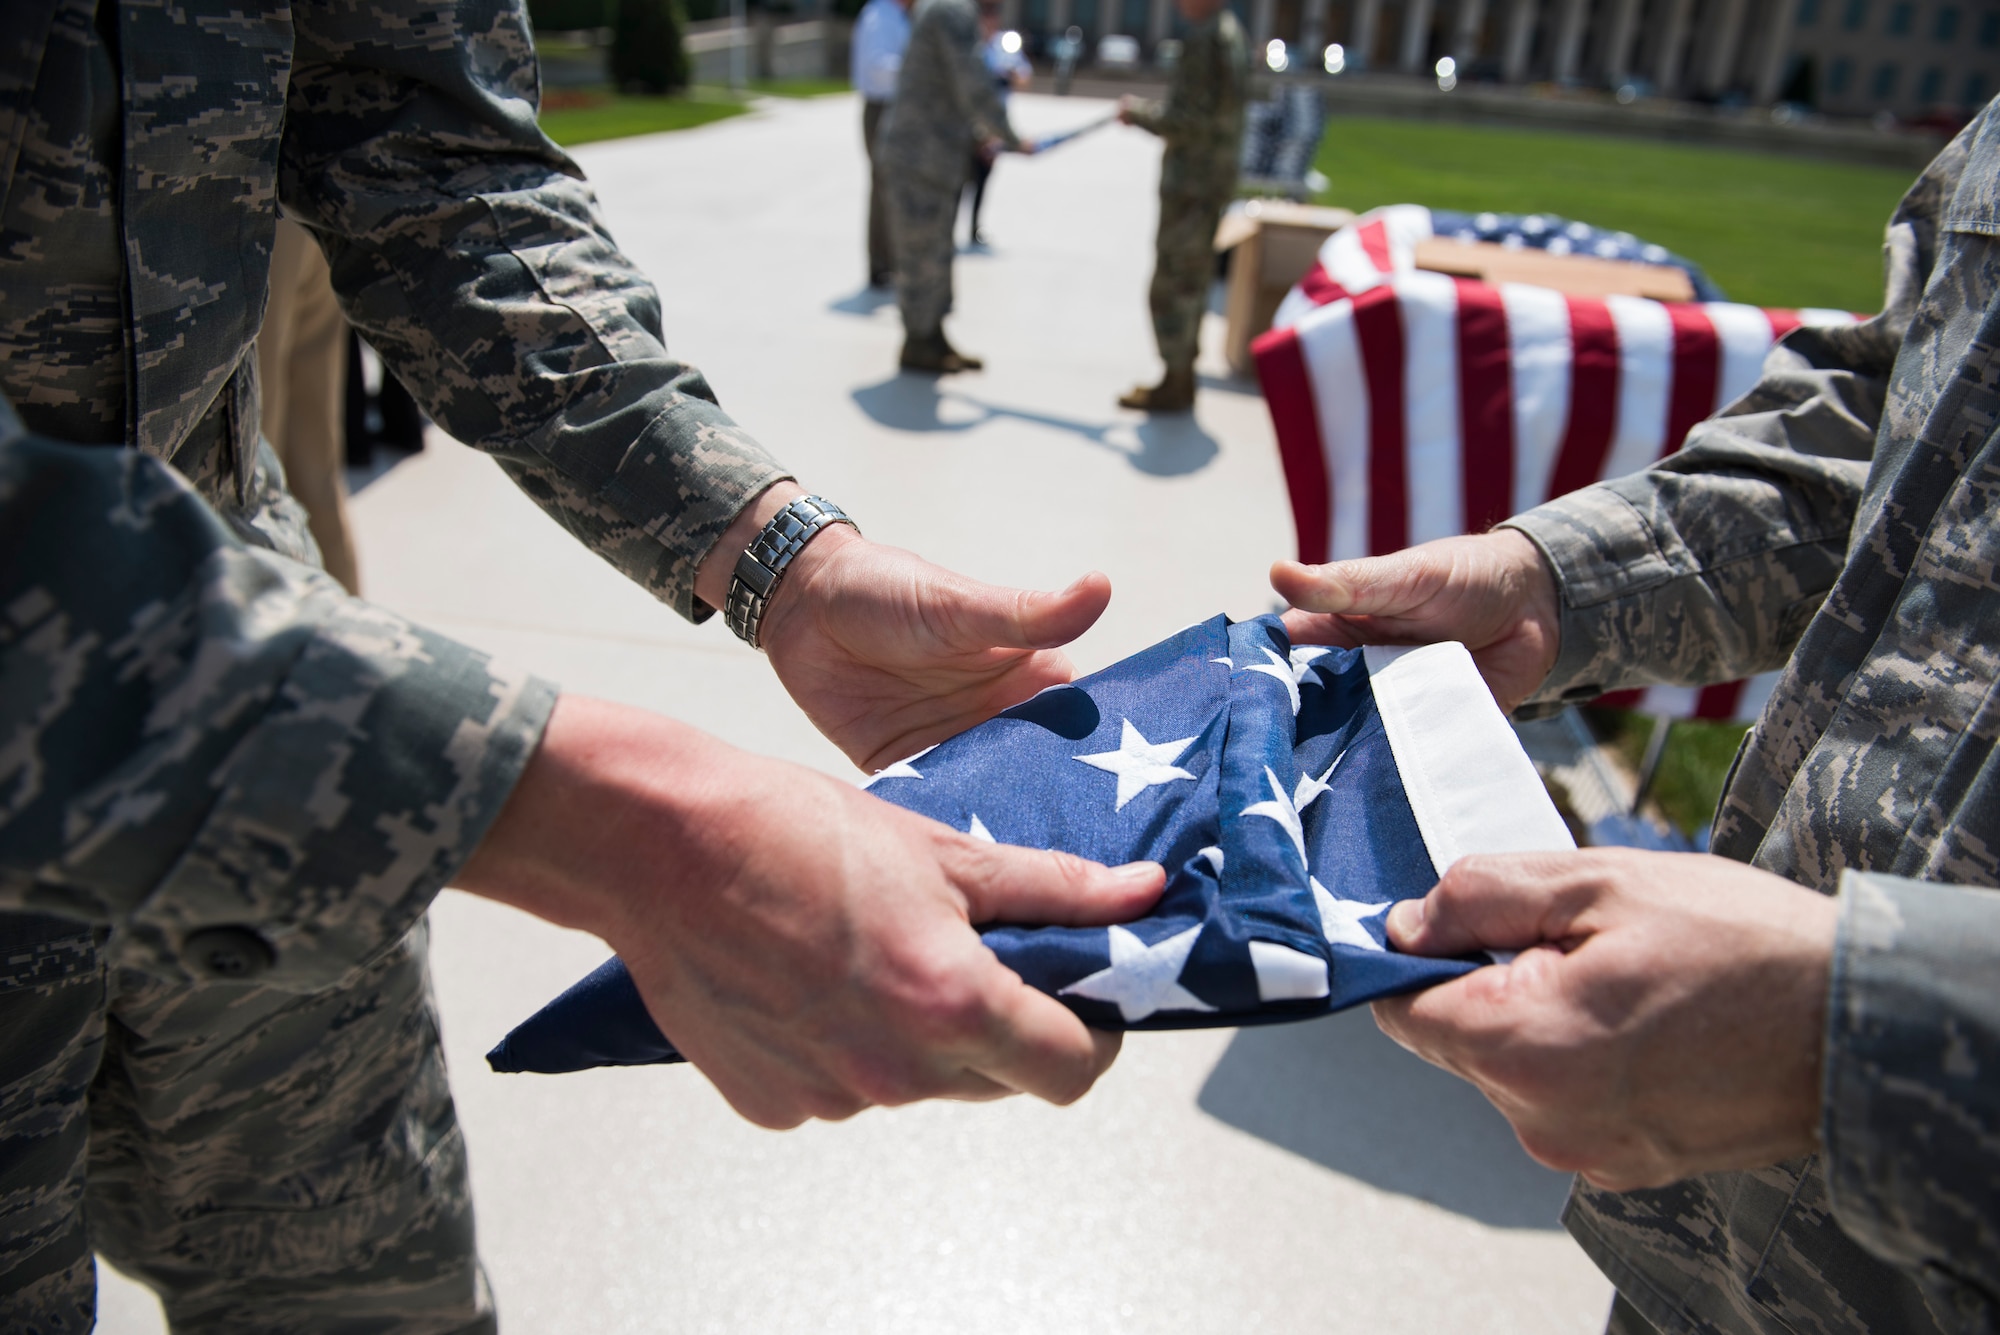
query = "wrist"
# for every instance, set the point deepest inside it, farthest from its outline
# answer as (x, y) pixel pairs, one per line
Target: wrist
(711, 581)
(555, 849)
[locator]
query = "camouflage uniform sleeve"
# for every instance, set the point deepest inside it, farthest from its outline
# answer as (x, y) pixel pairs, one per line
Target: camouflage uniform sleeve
(1708, 565)
(469, 251)
(1913, 1042)
(1189, 106)
(201, 737)
(972, 84)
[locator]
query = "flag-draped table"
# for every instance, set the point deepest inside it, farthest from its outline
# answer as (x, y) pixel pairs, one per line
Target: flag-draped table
(1292, 792)
(1411, 405)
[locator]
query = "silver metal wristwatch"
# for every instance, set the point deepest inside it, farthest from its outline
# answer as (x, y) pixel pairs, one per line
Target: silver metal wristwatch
(769, 555)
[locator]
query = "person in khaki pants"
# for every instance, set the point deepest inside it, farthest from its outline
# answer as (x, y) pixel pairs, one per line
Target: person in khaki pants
(302, 373)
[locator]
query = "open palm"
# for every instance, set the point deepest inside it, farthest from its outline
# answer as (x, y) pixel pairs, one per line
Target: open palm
(888, 654)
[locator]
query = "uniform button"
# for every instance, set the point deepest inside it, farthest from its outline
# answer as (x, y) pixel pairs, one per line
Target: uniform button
(236, 954)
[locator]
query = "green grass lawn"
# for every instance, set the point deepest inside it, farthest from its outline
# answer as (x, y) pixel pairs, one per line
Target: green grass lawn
(571, 118)
(1771, 231)
(799, 87)
(1692, 768)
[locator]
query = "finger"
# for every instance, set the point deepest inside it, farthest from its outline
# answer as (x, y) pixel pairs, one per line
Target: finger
(989, 615)
(1029, 885)
(1043, 1049)
(1498, 902)
(1372, 586)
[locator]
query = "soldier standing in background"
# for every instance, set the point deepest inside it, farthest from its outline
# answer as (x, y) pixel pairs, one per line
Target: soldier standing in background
(881, 35)
(1202, 122)
(945, 98)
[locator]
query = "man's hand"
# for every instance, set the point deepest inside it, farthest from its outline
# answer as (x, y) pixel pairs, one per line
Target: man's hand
(1493, 592)
(888, 654)
(1664, 1018)
(1125, 107)
(807, 946)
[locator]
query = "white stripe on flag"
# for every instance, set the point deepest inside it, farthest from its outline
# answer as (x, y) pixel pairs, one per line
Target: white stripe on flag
(1436, 471)
(1645, 371)
(1345, 255)
(1407, 224)
(1744, 335)
(1821, 315)
(1669, 701)
(1756, 694)
(1539, 355)
(1332, 355)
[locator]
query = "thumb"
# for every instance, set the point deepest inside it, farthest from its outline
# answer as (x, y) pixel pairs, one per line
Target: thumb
(1033, 886)
(1023, 619)
(1495, 902)
(1371, 586)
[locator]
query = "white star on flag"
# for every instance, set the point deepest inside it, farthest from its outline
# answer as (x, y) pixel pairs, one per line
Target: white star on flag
(1341, 919)
(1281, 670)
(1140, 764)
(902, 769)
(979, 830)
(1309, 787)
(1142, 979)
(1281, 809)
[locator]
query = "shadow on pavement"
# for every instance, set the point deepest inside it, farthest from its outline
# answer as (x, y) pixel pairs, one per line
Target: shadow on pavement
(1162, 446)
(1338, 1092)
(865, 302)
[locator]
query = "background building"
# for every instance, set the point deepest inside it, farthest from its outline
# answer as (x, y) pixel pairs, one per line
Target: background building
(1911, 58)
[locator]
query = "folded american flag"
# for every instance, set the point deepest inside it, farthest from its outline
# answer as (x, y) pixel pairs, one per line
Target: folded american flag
(1292, 793)
(1412, 405)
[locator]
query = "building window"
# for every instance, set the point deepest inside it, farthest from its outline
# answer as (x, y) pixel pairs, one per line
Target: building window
(1989, 28)
(1932, 85)
(1840, 76)
(1947, 23)
(1900, 15)
(1885, 80)
(1857, 15)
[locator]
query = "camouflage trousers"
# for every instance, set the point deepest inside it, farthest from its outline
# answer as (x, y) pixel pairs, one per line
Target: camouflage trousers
(923, 215)
(1183, 268)
(270, 1162)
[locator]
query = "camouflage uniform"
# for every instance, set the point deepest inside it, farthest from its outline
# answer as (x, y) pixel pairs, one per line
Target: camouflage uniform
(1202, 122)
(944, 98)
(227, 790)
(1839, 521)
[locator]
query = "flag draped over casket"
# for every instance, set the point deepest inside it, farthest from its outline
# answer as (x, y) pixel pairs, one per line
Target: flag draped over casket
(1412, 405)
(1292, 792)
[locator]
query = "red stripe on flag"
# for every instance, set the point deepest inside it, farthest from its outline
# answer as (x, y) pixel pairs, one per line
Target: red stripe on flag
(1378, 328)
(1618, 700)
(1319, 287)
(1281, 368)
(1485, 407)
(1593, 397)
(1697, 371)
(1719, 702)
(1782, 322)
(1374, 238)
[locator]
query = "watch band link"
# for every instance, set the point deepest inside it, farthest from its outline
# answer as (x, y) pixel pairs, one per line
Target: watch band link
(764, 562)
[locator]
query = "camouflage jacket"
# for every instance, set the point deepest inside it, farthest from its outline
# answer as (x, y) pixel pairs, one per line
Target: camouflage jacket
(144, 151)
(1842, 521)
(1202, 118)
(198, 734)
(945, 98)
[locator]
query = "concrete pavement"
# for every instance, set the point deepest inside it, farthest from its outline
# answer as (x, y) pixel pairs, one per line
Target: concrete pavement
(1297, 1179)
